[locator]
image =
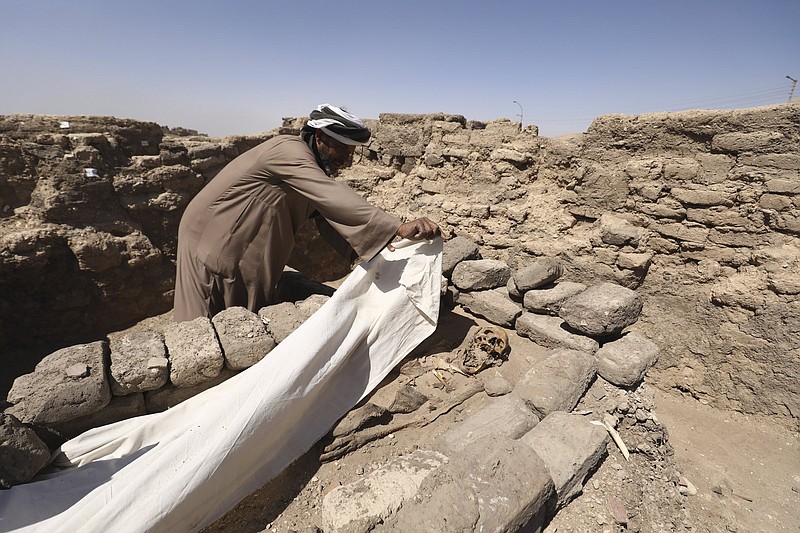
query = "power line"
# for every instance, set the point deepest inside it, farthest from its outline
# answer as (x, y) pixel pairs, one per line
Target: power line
(749, 98)
(769, 95)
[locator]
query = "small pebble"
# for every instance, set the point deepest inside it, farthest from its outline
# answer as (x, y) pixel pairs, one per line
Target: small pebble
(686, 487)
(78, 370)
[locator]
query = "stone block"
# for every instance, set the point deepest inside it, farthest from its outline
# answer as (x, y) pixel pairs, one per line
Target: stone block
(194, 352)
(280, 319)
(506, 416)
(206, 163)
(783, 186)
(558, 382)
(718, 216)
(495, 486)
(493, 305)
(494, 384)
(701, 197)
(119, 408)
(571, 448)
(784, 283)
(456, 250)
(742, 289)
(359, 506)
(619, 232)
(603, 309)
(624, 361)
(782, 161)
(66, 384)
(203, 150)
(681, 168)
(550, 332)
(169, 396)
(480, 274)
(775, 202)
(24, 453)
(757, 141)
(512, 156)
(638, 262)
(549, 301)
(538, 274)
(661, 210)
(397, 398)
(681, 232)
(138, 363)
(242, 336)
(310, 305)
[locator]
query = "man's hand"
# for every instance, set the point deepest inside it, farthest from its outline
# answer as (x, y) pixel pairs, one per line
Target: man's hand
(419, 230)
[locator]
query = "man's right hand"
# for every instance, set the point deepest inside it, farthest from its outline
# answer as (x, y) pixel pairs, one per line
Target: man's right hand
(419, 229)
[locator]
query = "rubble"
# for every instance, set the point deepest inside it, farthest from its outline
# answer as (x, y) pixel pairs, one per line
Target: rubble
(24, 453)
(700, 240)
(556, 458)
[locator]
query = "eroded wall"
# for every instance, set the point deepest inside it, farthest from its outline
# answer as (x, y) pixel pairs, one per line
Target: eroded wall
(697, 210)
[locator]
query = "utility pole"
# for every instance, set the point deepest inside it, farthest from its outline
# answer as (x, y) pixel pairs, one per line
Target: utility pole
(794, 84)
(520, 112)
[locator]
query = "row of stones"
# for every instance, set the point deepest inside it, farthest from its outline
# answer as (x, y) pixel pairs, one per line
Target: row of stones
(522, 456)
(89, 385)
(71, 390)
(86, 385)
(553, 313)
(510, 464)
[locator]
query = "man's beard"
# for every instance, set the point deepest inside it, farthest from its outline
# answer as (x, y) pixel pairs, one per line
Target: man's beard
(330, 170)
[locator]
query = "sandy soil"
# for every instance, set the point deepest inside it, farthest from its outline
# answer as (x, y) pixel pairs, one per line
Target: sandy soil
(745, 469)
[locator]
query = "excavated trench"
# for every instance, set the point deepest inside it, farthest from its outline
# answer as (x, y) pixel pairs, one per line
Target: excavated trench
(696, 212)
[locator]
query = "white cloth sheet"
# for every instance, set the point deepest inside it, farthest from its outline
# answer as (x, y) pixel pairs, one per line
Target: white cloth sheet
(182, 469)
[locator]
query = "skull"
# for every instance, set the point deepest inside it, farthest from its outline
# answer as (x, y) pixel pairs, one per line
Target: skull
(488, 347)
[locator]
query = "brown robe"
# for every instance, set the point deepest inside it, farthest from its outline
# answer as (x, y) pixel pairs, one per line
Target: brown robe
(236, 235)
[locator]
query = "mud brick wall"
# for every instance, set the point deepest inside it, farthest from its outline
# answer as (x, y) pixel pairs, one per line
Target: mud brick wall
(696, 210)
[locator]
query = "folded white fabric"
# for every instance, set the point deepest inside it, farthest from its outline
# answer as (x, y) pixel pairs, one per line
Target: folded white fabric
(182, 469)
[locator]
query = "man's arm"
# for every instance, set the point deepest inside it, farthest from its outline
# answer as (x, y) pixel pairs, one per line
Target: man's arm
(332, 237)
(365, 227)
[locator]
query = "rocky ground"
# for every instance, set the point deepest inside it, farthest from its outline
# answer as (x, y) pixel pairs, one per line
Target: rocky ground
(709, 202)
(692, 468)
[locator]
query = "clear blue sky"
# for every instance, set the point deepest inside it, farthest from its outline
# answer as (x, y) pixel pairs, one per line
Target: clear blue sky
(238, 66)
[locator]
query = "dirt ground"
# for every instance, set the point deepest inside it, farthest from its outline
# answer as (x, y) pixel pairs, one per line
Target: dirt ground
(745, 469)
(693, 468)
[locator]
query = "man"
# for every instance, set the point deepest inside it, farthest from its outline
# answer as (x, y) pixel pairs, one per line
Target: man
(236, 235)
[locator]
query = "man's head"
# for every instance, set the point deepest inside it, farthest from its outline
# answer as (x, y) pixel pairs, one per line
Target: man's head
(336, 133)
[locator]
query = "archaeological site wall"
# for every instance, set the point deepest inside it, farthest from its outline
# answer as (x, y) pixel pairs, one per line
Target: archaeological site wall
(697, 211)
